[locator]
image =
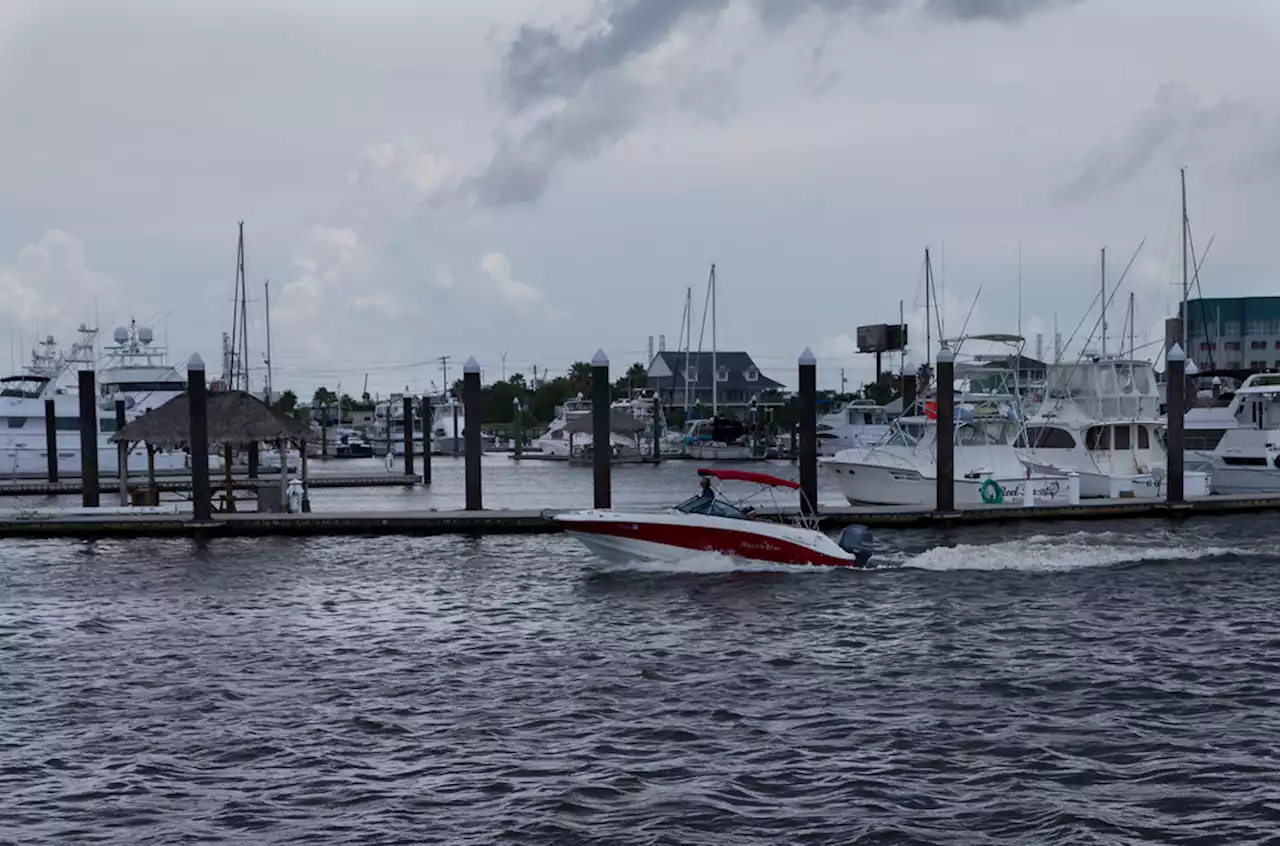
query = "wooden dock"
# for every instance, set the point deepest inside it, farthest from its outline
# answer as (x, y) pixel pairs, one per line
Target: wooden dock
(175, 483)
(499, 522)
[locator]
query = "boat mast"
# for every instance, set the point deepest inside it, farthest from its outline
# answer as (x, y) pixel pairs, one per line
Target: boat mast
(1133, 350)
(1186, 289)
(266, 288)
(715, 370)
(1104, 302)
(928, 335)
(688, 343)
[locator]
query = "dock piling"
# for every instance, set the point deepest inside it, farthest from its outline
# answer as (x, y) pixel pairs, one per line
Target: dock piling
(198, 441)
(1176, 387)
(88, 439)
(808, 426)
(657, 430)
(122, 452)
(909, 387)
(517, 427)
(946, 491)
(454, 406)
(793, 410)
(251, 455)
(408, 436)
(471, 406)
(428, 423)
(601, 396)
(51, 439)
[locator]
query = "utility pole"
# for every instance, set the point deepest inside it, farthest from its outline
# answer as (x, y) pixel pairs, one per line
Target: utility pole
(503, 355)
(444, 369)
(843, 381)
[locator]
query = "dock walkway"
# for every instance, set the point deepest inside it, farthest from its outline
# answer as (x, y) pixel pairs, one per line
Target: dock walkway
(47, 523)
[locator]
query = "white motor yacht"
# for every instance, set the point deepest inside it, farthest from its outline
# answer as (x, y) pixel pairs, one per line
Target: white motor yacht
(1100, 419)
(1238, 444)
(852, 425)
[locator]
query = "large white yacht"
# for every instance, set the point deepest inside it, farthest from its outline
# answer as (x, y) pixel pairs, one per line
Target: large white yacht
(857, 423)
(449, 426)
(555, 442)
(51, 375)
(1100, 418)
(1238, 444)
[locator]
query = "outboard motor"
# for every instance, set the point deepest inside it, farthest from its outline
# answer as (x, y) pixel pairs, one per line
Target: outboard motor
(857, 540)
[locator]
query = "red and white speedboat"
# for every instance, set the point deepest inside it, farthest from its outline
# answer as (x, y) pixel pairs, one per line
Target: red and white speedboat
(711, 524)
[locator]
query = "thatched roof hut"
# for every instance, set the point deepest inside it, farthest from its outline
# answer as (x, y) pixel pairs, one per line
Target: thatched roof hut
(235, 418)
(620, 422)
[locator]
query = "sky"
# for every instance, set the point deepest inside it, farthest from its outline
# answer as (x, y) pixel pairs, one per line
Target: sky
(528, 181)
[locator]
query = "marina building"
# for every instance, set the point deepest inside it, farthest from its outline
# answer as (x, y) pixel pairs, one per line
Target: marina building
(735, 378)
(1233, 333)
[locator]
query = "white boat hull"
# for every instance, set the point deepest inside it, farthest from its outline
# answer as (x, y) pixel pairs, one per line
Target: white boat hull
(877, 484)
(718, 452)
(674, 536)
(1228, 479)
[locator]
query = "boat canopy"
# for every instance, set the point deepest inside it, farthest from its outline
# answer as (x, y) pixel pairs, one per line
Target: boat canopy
(748, 476)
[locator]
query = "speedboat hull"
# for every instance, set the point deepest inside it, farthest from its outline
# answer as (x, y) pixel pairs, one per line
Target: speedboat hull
(674, 536)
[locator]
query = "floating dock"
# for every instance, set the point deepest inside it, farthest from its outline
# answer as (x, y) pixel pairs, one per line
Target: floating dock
(172, 483)
(45, 523)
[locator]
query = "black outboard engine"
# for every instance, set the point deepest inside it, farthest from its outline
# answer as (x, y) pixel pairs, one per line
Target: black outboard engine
(857, 540)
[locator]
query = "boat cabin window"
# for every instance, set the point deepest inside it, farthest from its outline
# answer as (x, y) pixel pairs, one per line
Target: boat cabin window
(1206, 440)
(1097, 438)
(173, 386)
(1121, 437)
(1049, 437)
(711, 507)
(1144, 437)
(22, 387)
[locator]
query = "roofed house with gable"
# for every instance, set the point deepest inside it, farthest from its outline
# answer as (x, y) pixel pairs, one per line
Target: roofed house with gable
(737, 379)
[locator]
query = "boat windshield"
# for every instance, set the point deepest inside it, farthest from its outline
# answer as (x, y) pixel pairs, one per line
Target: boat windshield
(711, 507)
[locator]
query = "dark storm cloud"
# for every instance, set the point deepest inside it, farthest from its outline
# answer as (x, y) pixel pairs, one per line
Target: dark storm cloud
(575, 80)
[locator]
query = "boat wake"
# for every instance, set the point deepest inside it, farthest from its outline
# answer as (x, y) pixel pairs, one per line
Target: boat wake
(1058, 553)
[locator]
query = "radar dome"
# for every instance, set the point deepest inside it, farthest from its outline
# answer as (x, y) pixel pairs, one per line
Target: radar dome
(121, 334)
(145, 335)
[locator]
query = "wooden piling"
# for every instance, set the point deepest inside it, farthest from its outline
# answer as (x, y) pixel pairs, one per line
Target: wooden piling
(428, 423)
(198, 443)
(601, 398)
(517, 427)
(1175, 386)
(51, 438)
(471, 406)
(88, 438)
(808, 430)
(946, 441)
(122, 453)
(408, 436)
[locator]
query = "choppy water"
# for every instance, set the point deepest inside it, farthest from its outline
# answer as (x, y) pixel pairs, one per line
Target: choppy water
(1049, 685)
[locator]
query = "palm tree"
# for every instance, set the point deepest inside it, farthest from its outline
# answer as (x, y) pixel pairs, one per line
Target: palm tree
(580, 377)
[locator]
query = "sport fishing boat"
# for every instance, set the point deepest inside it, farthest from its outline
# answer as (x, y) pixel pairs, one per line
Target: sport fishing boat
(709, 523)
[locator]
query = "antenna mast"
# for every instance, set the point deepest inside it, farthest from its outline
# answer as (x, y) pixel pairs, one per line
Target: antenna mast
(1186, 288)
(1104, 302)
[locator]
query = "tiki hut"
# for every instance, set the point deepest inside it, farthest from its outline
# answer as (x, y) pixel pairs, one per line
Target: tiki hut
(235, 419)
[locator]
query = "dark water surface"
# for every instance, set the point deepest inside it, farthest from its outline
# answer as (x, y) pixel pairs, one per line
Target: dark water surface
(1114, 683)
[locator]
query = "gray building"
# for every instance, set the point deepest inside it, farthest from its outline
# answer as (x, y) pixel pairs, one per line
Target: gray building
(737, 379)
(1233, 333)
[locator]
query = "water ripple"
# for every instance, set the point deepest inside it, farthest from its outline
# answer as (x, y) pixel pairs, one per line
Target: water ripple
(1103, 684)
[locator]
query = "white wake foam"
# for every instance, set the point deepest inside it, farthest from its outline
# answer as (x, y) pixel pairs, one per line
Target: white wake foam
(698, 563)
(1060, 553)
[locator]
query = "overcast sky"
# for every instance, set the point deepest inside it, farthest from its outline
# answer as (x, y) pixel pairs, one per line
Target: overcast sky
(545, 177)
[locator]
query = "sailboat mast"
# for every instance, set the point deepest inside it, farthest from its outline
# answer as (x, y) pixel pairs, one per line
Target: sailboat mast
(1186, 287)
(1104, 302)
(266, 288)
(715, 369)
(928, 335)
(688, 342)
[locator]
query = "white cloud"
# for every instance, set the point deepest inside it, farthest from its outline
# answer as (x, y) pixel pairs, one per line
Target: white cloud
(497, 268)
(51, 289)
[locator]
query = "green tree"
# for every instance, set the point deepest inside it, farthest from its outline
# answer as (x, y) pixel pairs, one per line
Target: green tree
(635, 377)
(580, 377)
(287, 403)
